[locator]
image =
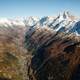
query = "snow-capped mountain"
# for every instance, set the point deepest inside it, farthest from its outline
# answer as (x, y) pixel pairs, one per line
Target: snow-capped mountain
(30, 21)
(64, 22)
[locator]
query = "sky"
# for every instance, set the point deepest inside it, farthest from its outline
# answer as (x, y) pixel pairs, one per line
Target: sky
(23, 8)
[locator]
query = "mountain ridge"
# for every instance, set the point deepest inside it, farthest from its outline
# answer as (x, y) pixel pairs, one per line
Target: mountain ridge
(63, 22)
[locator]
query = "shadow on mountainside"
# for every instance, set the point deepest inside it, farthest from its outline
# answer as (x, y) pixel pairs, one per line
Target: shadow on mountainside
(56, 61)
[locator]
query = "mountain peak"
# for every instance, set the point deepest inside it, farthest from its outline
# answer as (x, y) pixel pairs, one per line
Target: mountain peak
(66, 14)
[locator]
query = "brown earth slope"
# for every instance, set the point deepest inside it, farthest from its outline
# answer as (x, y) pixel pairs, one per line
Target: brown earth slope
(55, 56)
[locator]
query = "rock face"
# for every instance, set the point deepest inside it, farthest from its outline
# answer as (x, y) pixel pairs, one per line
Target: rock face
(40, 49)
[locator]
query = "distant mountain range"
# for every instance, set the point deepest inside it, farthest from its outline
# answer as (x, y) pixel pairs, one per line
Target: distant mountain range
(62, 23)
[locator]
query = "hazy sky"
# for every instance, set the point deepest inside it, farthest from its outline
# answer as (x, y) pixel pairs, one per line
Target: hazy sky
(23, 8)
